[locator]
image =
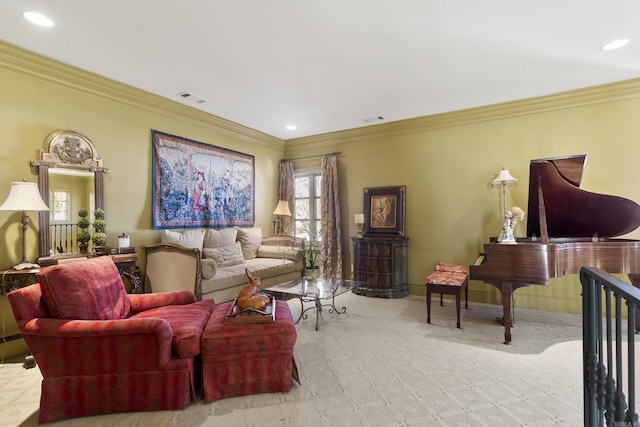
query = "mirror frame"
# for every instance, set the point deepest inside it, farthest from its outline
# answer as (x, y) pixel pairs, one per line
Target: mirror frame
(70, 150)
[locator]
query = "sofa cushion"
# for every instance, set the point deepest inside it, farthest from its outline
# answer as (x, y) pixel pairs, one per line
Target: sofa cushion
(208, 268)
(264, 268)
(187, 323)
(86, 290)
(225, 256)
(188, 238)
(217, 238)
(280, 252)
(250, 239)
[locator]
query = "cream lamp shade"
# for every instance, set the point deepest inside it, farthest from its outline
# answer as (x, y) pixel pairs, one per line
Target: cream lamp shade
(282, 208)
(504, 178)
(24, 196)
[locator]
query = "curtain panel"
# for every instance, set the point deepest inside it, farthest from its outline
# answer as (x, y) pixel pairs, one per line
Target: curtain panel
(331, 225)
(286, 192)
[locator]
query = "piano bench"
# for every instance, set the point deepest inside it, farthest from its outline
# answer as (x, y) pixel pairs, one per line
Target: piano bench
(448, 279)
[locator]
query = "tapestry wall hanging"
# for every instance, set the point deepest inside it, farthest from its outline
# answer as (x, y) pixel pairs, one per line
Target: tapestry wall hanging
(200, 185)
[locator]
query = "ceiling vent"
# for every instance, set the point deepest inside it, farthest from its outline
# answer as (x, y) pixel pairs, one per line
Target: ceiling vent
(373, 119)
(191, 97)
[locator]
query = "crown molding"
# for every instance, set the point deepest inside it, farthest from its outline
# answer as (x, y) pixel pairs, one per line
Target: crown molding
(32, 65)
(611, 92)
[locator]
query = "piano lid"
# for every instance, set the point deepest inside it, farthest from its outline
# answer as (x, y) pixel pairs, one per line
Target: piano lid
(570, 211)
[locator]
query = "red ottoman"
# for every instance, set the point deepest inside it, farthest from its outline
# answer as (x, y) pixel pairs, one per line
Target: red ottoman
(248, 358)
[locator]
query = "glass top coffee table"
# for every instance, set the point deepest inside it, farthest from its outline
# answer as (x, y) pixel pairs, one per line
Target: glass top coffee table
(314, 290)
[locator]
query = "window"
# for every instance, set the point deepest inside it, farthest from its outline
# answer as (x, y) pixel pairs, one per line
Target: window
(60, 203)
(307, 212)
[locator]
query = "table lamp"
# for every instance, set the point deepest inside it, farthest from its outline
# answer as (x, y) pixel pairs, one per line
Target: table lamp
(359, 221)
(281, 209)
(505, 179)
(24, 196)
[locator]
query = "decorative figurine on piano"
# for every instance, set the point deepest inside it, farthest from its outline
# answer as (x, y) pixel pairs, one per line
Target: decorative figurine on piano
(511, 219)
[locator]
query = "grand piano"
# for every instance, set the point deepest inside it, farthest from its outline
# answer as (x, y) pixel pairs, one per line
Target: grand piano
(567, 228)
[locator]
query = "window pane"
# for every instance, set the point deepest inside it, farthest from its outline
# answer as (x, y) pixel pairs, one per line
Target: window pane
(302, 229)
(59, 206)
(302, 209)
(302, 186)
(307, 206)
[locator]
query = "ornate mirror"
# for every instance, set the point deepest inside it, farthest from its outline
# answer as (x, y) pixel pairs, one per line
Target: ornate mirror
(68, 163)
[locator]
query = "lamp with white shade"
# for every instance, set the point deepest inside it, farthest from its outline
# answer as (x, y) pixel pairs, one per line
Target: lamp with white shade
(281, 210)
(358, 219)
(505, 179)
(24, 196)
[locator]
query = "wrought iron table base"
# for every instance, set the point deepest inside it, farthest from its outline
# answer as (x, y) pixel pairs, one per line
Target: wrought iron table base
(318, 306)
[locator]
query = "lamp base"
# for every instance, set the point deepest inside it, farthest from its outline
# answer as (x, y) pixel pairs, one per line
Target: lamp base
(25, 266)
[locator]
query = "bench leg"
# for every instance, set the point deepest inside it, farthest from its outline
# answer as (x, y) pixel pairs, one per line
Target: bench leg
(466, 296)
(428, 305)
(458, 308)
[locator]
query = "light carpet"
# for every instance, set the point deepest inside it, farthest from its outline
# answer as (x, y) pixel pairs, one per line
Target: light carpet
(381, 364)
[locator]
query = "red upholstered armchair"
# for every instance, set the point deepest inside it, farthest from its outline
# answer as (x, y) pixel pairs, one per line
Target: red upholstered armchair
(101, 350)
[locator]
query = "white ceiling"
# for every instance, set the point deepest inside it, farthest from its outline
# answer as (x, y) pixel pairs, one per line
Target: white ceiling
(327, 65)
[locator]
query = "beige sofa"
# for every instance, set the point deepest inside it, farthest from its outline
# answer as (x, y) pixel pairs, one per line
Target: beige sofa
(212, 262)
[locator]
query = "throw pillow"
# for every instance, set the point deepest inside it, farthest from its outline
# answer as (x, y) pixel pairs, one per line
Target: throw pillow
(187, 238)
(208, 268)
(250, 239)
(217, 238)
(225, 256)
(280, 252)
(85, 290)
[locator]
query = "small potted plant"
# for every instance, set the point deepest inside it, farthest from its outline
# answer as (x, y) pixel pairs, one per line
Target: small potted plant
(83, 235)
(99, 237)
(311, 269)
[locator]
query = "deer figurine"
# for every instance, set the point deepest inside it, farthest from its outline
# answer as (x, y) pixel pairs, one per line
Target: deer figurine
(248, 297)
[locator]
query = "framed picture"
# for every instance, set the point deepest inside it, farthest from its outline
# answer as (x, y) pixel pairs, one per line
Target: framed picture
(384, 211)
(200, 185)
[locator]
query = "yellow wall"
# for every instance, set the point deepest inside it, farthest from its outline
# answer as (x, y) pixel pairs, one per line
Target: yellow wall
(447, 163)
(38, 97)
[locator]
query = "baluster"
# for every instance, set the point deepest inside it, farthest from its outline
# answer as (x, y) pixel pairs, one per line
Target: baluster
(610, 384)
(632, 416)
(620, 404)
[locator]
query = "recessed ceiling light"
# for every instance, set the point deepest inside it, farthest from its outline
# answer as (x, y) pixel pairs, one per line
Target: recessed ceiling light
(291, 127)
(38, 19)
(615, 44)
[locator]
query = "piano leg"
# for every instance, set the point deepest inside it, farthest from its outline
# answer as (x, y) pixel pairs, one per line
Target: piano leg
(507, 289)
(635, 281)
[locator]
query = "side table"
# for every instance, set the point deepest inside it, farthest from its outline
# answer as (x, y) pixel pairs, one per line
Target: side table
(128, 268)
(14, 279)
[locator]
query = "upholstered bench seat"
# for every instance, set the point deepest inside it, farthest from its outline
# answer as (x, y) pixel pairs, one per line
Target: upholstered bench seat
(242, 359)
(448, 279)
